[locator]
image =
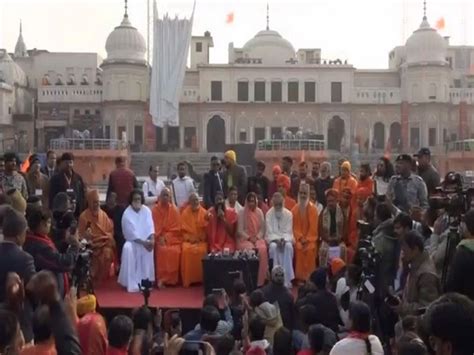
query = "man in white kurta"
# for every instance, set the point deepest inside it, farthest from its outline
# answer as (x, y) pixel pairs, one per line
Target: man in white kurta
(280, 237)
(137, 254)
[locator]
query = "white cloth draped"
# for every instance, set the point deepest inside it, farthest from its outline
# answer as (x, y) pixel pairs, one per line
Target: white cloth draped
(137, 262)
(280, 226)
(171, 40)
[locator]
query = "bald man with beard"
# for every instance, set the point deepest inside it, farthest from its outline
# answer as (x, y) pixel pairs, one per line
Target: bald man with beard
(280, 237)
(305, 231)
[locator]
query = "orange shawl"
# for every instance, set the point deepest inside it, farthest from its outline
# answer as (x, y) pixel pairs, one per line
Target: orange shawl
(193, 224)
(167, 223)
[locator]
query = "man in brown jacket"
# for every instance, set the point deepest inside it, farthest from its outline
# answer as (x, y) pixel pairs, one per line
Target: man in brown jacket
(422, 286)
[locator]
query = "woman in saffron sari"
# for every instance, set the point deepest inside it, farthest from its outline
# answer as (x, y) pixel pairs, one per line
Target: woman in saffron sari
(251, 233)
(97, 228)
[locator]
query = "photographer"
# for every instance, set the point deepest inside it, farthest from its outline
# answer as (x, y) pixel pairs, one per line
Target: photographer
(422, 285)
(44, 252)
(387, 245)
(462, 267)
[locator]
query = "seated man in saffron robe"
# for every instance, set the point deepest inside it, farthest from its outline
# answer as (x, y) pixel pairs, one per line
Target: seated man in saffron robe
(331, 230)
(305, 231)
(284, 186)
(97, 228)
(193, 229)
(251, 234)
(222, 226)
(280, 237)
(166, 219)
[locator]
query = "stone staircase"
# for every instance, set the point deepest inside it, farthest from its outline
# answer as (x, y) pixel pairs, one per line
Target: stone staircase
(140, 162)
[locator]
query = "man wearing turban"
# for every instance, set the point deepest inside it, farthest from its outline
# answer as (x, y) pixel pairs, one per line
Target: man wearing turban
(235, 175)
(284, 186)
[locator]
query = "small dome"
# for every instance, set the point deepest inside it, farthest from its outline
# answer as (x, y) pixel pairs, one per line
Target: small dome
(426, 45)
(10, 72)
(269, 46)
(125, 43)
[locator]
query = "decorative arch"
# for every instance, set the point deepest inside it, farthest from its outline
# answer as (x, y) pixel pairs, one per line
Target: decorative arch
(396, 136)
(378, 139)
(216, 134)
(335, 133)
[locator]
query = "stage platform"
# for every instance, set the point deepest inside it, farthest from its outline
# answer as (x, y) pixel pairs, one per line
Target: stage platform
(112, 295)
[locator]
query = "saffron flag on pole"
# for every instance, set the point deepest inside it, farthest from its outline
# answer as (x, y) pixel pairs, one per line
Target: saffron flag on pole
(440, 24)
(171, 40)
(230, 18)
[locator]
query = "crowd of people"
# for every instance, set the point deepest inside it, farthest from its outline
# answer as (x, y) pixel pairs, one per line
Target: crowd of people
(314, 296)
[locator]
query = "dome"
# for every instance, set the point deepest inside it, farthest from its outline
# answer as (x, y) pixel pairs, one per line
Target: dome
(10, 72)
(269, 46)
(426, 45)
(125, 43)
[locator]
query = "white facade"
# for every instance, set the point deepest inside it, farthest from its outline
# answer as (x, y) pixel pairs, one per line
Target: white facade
(267, 88)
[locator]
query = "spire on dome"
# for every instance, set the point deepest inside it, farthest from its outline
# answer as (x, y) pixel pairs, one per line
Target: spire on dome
(126, 8)
(424, 10)
(20, 47)
(268, 17)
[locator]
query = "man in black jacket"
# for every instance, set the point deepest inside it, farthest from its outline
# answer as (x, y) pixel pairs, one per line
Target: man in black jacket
(67, 180)
(213, 182)
(259, 182)
(12, 257)
(276, 291)
(45, 254)
(462, 267)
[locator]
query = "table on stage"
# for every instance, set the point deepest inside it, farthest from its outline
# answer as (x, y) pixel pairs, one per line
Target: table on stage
(221, 271)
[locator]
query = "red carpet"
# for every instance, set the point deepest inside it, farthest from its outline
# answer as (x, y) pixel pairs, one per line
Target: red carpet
(112, 295)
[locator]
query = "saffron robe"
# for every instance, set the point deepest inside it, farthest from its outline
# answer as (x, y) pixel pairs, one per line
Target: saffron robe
(166, 219)
(137, 262)
(194, 247)
(251, 235)
(103, 243)
(92, 334)
(368, 184)
(289, 203)
(350, 183)
(218, 237)
(305, 231)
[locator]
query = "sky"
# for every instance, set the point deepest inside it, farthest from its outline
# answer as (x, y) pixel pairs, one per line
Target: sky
(363, 31)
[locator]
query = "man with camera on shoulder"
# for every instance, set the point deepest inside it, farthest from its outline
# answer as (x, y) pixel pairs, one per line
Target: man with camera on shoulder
(45, 253)
(462, 266)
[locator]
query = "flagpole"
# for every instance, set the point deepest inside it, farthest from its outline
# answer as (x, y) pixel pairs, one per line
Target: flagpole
(148, 35)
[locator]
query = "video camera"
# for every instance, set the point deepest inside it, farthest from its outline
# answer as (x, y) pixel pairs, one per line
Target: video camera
(145, 288)
(452, 197)
(81, 277)
(367, 257)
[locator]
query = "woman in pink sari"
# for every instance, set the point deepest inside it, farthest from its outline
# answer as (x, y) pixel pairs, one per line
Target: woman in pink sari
(251, 233)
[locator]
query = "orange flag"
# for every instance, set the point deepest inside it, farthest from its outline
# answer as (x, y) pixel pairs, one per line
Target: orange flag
(26, 164)
(230, 18)
(440, 24)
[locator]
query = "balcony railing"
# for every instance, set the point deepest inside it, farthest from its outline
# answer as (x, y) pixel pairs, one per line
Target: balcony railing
(461, 146)
(291, 144)
(87, 144)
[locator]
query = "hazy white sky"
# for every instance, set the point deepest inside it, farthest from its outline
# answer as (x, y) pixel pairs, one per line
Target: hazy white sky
(361, 31)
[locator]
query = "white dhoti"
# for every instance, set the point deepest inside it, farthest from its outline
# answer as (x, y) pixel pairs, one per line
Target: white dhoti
(137, 262)
(137, 265)
(283, 256)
